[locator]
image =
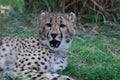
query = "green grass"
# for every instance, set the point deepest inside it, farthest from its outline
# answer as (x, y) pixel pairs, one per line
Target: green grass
(92, 59)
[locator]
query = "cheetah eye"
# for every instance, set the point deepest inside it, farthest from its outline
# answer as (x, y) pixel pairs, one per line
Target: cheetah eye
(48, 24)
(62, 25)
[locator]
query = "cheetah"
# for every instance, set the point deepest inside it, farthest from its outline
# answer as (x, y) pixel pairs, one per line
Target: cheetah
(40, 57)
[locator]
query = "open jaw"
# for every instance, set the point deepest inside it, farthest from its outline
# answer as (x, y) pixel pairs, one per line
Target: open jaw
(54, 43)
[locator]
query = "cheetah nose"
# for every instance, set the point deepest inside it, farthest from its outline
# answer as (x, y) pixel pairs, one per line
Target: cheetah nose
(53, 35)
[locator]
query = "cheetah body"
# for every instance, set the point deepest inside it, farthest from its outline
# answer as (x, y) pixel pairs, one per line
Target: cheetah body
(39, 57)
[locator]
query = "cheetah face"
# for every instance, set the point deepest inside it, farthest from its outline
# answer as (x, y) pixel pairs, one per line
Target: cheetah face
(56, 30)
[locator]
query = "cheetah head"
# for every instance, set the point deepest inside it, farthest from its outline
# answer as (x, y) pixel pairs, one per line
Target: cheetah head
(55, 30)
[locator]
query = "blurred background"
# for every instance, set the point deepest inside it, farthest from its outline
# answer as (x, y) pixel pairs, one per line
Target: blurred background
(95, 51)
(90, 13)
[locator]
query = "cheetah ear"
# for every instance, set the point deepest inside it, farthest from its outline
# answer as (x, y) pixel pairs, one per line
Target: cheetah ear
(72, 17)
(43, 14)
(39, 19)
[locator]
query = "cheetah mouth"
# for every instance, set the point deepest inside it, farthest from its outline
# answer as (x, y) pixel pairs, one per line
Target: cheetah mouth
(1, 69)
(55, 43)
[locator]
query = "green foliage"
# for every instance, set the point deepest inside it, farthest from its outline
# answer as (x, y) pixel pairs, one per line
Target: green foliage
(103, 10)
(11, 2)
(52, 4)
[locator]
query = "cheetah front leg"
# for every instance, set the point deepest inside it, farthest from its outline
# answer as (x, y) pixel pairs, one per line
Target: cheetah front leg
(50, 76)
(34, 75)
(53, 76)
